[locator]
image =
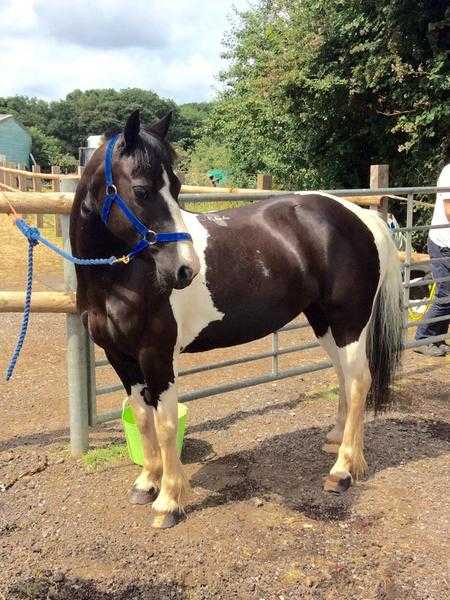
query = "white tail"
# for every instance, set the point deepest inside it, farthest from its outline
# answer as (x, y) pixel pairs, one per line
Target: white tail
(385, 339)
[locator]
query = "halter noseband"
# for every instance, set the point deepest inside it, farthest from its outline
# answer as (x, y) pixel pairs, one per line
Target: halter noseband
(148, 236)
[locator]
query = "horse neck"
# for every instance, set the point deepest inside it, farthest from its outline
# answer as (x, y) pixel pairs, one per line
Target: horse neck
(90, 238)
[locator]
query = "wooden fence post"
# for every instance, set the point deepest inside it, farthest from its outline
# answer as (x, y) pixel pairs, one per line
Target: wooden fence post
(13, 179)
(56, 185)
(37, 181)
(20, 179)
(78, 351)
(37, 187)
(263, 181)
(379, 178)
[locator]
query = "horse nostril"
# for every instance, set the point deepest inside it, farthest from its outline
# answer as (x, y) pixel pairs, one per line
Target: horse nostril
(184, 276)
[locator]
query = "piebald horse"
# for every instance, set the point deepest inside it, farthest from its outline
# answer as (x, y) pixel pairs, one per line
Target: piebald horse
(241, 274)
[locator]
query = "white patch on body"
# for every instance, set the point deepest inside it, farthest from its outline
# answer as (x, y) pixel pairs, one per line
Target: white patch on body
(193, 307)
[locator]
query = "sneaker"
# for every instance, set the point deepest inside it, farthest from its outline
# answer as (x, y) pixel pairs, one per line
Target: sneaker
(445, 347)
(430, 350)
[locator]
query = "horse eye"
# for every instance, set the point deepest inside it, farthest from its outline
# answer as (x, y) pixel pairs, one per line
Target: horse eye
(142, 192)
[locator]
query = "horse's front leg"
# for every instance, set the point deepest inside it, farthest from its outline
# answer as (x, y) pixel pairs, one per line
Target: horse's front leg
(160, 396)
(168, 506)
(146, 487)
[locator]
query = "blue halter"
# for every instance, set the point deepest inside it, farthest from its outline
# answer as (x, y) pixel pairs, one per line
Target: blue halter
(148, 236)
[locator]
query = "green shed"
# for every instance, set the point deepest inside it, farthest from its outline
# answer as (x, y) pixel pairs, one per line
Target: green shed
(15, 141)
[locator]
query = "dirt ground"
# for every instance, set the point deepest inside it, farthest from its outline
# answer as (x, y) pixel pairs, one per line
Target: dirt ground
(258, 524)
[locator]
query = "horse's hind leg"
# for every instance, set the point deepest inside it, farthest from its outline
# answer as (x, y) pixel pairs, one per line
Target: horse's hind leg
(334, 437)
(350, 460)
(322, 330)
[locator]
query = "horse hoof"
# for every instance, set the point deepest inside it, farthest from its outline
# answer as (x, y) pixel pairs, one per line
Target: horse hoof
(166, 520)
(330, 447)
(137, 496)
(337, 484)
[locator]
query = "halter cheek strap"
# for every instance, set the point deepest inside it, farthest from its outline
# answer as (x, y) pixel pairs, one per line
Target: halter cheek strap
(148, 236)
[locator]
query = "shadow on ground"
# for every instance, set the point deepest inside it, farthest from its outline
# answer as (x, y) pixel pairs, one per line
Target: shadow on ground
(288, 469)
(57, 587)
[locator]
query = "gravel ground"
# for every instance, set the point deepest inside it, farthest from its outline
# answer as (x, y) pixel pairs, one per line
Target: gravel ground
(258, 524)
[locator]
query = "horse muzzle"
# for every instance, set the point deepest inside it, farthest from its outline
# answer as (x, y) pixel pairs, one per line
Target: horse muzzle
(184, 277)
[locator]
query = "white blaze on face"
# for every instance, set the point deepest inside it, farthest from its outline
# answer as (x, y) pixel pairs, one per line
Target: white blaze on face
(186, 252)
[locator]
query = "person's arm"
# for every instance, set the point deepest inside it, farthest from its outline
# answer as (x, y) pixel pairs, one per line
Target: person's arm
(447, 208)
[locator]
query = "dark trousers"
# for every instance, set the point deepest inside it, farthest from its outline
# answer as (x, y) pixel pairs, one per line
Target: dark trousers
(441, 303)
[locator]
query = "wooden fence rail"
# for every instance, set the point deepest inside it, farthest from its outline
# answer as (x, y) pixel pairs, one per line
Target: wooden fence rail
(61, 203)
(41, 302)
(12, 178)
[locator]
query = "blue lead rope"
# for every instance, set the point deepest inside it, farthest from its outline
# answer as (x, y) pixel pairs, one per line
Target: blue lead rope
(26, 312)
(34, 236)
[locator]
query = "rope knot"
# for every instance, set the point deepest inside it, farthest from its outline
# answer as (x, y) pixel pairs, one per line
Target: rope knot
(33, 236)
(31, 233)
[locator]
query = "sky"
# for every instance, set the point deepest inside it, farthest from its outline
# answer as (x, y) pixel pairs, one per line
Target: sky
(50, 47)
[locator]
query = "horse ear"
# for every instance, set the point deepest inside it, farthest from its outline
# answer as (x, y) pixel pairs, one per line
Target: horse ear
(161, 127)
(132, 128)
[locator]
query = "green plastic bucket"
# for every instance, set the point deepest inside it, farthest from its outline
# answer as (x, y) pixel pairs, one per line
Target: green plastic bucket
(133, 436)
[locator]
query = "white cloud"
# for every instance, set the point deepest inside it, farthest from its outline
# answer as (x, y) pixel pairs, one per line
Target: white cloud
(54, 46)
(104, 23)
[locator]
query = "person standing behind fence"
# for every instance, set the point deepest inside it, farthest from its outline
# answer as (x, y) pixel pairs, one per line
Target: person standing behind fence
(439, 247)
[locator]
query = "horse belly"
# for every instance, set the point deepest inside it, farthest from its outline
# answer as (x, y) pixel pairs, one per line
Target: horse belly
(244, 316)
(240, 327)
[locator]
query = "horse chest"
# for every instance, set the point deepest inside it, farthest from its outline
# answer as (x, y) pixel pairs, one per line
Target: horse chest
(193, 309)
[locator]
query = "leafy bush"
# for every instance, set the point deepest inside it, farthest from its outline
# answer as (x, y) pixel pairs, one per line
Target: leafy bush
(317, 90)
(205, 156)
(48, 150)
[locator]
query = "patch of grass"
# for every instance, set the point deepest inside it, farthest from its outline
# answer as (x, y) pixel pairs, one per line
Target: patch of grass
(328, 393)
(98, 458)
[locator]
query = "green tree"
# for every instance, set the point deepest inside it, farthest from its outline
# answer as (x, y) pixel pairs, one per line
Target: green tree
(91, 112)
(95, 111)
(29, 111)
(48, 151)
(192, 117)
(317, 90)
(205, 156)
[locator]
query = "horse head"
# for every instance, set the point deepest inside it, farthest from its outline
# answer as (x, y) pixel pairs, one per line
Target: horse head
(139, 175)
